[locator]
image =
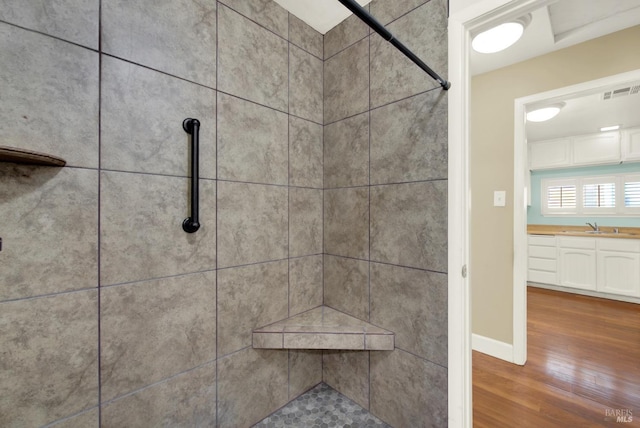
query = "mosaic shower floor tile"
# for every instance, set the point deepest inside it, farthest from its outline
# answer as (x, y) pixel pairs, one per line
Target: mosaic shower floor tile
(322, 407)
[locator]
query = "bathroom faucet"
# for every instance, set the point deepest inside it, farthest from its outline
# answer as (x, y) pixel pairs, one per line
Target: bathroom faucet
(594, 226)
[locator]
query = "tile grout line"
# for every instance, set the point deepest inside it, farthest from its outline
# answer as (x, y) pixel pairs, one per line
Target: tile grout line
(288, 195)
(99, 211)
(217, 52)
(369, 225)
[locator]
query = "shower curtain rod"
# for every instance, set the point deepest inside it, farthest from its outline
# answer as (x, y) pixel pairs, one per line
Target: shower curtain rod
(379, 28)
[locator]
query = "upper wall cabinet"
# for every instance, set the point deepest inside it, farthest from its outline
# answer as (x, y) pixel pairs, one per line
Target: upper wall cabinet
(630, 144)
(583, 150)
(550, 154)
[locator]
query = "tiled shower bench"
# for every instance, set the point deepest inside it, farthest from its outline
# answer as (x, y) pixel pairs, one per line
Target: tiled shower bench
(323, 328)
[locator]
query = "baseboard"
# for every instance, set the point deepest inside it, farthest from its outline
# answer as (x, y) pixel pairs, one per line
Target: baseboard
(492, 347)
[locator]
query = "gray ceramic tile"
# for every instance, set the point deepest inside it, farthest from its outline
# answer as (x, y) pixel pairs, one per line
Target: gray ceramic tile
(252, 223)
(424, 31)
(348, 372)
(49, 223)
(346, 222)
(89, 419)
(305, 153)
(267, 340)
(249, 297)
(305, 283)
(141, 121)
(305, 222)
(49, 97)
(251, 385)
(76, 21)
(344, 35)
(323, 341)
(413, 304)
(346, 152)
(49, 363)
(409, 140)
(169, 323)
(407, 391)
(386, 11)
(174, 36)
(188, 399)
(252, 61)
(346, 285)
(409, 225)
(305, 85)
(252, 142)
(267, 13)
(305, 371)
(346, 82)
(303, 35)
(141, 220)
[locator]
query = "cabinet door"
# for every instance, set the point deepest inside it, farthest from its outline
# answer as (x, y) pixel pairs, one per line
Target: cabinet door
(596, 149)
(619, 273)
(631, 144)
(550, 154)
(577, 268)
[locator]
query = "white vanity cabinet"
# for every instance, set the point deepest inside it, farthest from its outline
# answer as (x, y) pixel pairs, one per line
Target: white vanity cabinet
(543, 259)
(550, 154)
(577, 262)
(618, 266)
(631, 144)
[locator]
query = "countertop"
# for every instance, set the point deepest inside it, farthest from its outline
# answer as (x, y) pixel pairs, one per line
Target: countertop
(606, 231)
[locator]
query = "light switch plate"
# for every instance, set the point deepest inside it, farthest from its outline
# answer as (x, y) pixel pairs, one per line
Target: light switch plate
(499, 198)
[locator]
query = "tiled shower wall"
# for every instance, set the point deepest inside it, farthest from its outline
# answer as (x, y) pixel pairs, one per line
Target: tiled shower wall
(110, 314)
(385, 209)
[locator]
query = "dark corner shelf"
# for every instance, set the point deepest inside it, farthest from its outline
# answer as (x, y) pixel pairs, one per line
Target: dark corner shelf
(16, 155)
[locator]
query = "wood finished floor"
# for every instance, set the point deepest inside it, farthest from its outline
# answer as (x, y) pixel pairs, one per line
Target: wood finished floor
(583, 358)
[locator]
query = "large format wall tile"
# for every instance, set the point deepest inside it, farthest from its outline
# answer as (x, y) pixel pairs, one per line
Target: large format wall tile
(305, 153)
(154, 329)
(249, 297)
(252, 142)
(76, 21)
(49, 96)
(305, 371)
(346, 152)
(89, 419)
(394, 76)
(346, 222)
(412, 304)
(348, 373)
(305, 284)
(267, 13)
(174, 36)
(141, 121)
(188, 399)
(343, 35)
(49, 223)
(305, 222)
(386, 11)
(304, 36)
(409, 225)
(409, 140)
(305, 85)
(346, 83)
(251, 385)
(253, 62)
(407, 391)
(346, 285)
(49, 363)
(252, 223)
(141, 220)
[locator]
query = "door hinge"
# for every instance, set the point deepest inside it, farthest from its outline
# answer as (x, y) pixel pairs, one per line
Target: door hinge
(464, 271)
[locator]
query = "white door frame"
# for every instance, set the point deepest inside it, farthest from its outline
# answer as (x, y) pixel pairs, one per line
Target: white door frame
(461, 24)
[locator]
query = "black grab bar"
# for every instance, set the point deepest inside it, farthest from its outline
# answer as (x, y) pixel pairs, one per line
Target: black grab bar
(192, 126)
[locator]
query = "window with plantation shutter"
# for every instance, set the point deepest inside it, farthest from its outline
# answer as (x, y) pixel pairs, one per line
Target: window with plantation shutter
(561, 197)
(631, 192)
(599, 195)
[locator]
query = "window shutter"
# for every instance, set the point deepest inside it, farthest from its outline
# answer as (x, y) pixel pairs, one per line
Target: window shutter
(601, 195)
(632, 194)
(561, 197)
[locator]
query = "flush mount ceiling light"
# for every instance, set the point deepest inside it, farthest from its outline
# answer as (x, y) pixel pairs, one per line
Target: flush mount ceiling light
(500, 37)
(610, 128)
(544, 113)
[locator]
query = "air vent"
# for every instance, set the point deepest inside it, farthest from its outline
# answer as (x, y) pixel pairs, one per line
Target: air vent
(621, 92)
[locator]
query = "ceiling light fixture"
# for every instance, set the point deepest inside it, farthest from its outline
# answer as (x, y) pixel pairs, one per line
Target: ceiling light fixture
(500, 37)
(544, 113)
(610, 128)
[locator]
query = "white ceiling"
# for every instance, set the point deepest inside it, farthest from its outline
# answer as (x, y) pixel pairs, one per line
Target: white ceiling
(560, 24)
